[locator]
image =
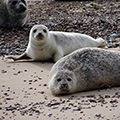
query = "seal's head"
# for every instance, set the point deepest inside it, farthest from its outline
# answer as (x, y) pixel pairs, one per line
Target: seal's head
(16, 7)
(63, 82)
(39, 34)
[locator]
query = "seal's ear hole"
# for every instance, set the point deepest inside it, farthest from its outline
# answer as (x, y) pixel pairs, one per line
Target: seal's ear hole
(44, 30)
(14, 2)
(59, 79)
(69, 79)
(35, 30)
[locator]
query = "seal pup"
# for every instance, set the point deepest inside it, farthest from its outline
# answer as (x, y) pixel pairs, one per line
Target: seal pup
(85, 69)
(13, 13)
(44, 44)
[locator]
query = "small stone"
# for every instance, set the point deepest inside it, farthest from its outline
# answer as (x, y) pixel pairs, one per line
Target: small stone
(30, 114)
(90, 96)
(98, 115)
(114, 101)
(78, 109)
(64, 108)
(45, 85)
(107, 96)
(42, 102)
(114, 35)
(103, 21)
(91, 100)
(30, 88)
(3, 71)
(109, 46)
(39, 78)
(9, 98)
(34, 108)
(42, 92)
(30, 80)
(10, 108)
(6, 94)
(25, 80)
(117, 93)
(53, 104)
(36, 103)
(109, 41)
(3, 85)
(49, 114)
(25, 70)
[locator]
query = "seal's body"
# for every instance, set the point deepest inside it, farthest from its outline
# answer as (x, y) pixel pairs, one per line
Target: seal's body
(45, 45)
(85, 69)
(13, 13)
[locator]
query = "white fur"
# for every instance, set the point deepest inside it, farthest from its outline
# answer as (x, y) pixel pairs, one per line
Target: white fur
(57, 44)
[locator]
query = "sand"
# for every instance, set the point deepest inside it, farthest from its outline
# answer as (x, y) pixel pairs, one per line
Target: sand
(25, 95)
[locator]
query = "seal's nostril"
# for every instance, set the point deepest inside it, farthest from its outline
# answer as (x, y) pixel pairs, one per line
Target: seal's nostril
(39, 34)
(64, 86)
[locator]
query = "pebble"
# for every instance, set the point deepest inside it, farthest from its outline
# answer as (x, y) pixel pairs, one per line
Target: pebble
(109, 46)
(3, 71)
(49, 114)
(109, 41)
(90, 96)
(78, 109)
(107, 96)
(6, 94)
(117, 93)
(91, 100)
(64, 108)
(53, 104)
(114, 35)
(98, 116)
(30, 80)
(34, 108)
(9, 98)
(10, 108)
(114, 101)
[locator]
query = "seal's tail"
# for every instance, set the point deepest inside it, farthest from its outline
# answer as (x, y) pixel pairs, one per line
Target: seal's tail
(103, 43)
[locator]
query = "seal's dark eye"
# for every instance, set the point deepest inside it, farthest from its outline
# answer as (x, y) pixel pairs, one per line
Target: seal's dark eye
(44, 30)
(59, 80)
(35, 30)
(69, 79)
(14, 2)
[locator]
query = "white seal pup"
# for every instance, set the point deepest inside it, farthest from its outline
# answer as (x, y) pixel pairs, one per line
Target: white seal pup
(13, 13)
(85, 69)
(44, 44)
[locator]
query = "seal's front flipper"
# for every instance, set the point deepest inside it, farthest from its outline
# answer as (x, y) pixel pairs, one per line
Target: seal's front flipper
(19, 57)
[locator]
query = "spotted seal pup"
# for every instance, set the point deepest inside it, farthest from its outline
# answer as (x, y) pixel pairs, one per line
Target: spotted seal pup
(85, 69)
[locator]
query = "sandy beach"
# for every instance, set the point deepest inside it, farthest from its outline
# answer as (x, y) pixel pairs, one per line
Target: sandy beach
(25, 95)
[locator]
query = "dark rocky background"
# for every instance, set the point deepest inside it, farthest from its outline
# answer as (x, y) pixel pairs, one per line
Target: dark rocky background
(96, 18)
